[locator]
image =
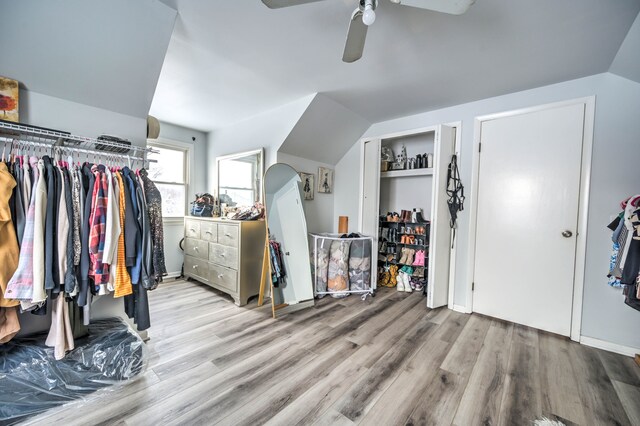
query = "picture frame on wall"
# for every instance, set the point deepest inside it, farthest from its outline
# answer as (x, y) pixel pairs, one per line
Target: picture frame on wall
(9, 100)
(325, 180)
(307, 185)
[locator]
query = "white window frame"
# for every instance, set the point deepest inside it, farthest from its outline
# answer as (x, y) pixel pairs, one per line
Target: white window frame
(188, 160)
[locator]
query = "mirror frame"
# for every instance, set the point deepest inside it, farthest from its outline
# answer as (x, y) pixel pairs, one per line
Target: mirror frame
(260, 152)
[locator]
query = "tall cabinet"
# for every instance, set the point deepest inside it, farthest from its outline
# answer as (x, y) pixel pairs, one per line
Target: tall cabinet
(422, 188)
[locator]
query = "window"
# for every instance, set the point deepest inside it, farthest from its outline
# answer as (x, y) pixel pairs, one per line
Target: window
(170, 174)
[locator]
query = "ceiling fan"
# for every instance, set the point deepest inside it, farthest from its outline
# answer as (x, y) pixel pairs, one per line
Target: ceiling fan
(365, 15)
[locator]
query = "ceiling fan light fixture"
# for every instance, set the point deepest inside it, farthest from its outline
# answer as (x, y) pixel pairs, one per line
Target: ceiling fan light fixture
(369, 15)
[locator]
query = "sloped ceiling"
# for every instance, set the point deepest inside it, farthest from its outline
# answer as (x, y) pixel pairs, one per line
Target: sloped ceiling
(324, 132)
(106, 54)
(229, 60)
(627, 61)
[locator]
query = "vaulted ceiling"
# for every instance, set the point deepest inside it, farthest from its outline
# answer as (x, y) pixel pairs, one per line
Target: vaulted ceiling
(229, 60)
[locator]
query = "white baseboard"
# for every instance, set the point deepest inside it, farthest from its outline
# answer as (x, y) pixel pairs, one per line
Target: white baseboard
(608, 346)
(172, 275)
(459, 308)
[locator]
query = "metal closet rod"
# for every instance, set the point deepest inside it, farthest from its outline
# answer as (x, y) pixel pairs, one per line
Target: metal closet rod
(62, 148)
(31, 131)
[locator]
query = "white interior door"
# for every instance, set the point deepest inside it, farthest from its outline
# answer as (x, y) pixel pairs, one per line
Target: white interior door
(528, 197)
(370, 188)
(440, 238)
(369, 207)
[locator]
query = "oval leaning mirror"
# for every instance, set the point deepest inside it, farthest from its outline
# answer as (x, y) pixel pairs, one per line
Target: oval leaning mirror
(291, 284)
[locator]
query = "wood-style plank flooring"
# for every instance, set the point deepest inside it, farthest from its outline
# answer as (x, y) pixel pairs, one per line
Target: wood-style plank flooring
(384, 361)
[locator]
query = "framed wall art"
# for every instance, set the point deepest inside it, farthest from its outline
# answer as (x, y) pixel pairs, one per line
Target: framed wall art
(307, 185)
(9, 93)
(325, 180)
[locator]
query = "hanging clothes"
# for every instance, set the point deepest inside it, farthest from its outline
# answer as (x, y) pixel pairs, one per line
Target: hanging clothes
(154, 208)
(87, 230)
(624, 263)
(9, 257)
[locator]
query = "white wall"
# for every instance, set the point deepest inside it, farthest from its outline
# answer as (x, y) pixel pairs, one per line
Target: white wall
(267, 130)
(347, 188)
(319, 211)
(614, 176)
(174, 229)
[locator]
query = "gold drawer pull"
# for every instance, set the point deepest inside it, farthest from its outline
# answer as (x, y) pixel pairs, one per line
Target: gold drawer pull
(220, 276)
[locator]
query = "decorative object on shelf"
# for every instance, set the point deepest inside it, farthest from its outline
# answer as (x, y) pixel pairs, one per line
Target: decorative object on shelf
(9, 100)
(325, 180)
(343, 224)
(386, 158)
(401, 160)
(307, 185)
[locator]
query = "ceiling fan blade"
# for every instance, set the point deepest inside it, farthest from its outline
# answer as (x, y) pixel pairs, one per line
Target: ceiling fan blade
(355, 38)
(277, 4)
(453, 7)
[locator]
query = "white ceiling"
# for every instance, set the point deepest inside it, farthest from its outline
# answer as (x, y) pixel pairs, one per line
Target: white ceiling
(229, 60)
(107, 54)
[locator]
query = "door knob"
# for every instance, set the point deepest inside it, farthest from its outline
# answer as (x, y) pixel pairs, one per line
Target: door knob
(567, 234)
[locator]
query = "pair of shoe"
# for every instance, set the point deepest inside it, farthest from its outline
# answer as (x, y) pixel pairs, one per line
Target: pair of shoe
(418, 272)
(407, 256)
(419, 230)
(408, 239)
(418, 284)
(419, 260)
(393, 217)
(403, 279)
(405, 216)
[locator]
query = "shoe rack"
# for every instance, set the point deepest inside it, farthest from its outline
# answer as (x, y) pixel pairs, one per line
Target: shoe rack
(400, 243)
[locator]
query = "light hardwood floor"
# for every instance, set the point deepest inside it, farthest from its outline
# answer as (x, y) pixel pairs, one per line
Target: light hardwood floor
(387, 360)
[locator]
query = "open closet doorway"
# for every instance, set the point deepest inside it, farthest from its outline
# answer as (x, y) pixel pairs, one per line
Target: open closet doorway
(424, 245)
(529, 211)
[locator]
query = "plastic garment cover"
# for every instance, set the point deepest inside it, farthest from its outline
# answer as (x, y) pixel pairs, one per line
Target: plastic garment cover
(338, 276)
(360, 265)
(32, 381)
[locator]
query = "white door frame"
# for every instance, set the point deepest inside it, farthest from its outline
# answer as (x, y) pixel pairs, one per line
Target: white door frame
(583, 206)
(453, 251)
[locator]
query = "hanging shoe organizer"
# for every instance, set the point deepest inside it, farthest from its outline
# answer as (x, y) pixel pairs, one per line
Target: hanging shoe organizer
(342, 266)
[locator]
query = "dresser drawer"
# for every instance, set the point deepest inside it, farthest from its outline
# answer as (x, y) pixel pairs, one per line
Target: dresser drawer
(196, 248)
(192, 228)
(228, 235)
(196, 268)
(209, 231)
(223, 255)
(224, 277)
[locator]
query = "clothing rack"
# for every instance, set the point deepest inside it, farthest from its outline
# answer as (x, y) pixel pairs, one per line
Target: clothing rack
(34, 136)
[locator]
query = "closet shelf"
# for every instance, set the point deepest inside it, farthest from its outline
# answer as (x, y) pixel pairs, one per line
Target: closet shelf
(406, 173)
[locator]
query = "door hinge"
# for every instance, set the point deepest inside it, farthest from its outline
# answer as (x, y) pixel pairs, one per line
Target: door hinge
(480, 147)
(473, 286)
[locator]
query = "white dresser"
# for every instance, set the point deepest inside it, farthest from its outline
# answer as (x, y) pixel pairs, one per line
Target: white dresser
(225, 254)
